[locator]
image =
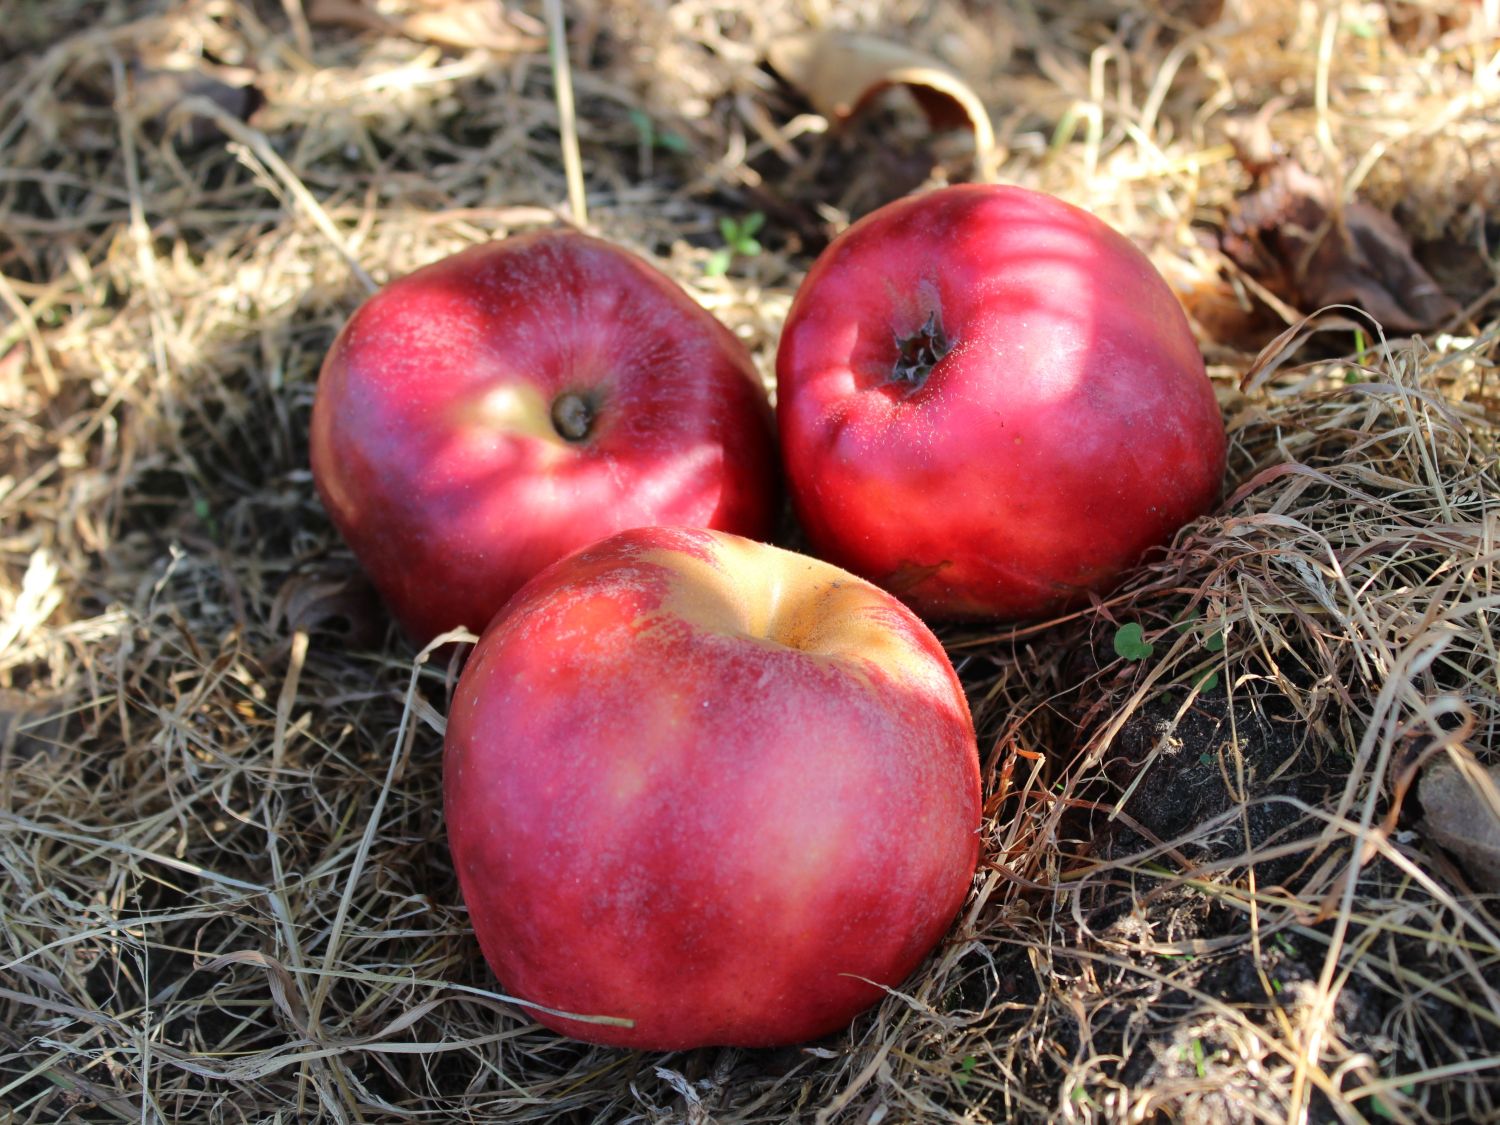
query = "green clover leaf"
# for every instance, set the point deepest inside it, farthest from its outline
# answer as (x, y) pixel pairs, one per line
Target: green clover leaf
(1131, 642)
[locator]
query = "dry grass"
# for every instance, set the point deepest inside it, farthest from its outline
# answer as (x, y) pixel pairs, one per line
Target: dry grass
(224, 894)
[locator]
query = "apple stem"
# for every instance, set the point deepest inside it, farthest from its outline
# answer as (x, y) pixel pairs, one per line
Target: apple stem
(572, 416)
(919, 353)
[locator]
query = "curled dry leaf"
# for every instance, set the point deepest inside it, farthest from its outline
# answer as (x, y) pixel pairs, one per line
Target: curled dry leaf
(1289, 233)
(1416, 26)
(311, 602)
(159, 91)
(1196, 13)
(840, 73)
(463, 25)
(1461, 812)
(29, 724)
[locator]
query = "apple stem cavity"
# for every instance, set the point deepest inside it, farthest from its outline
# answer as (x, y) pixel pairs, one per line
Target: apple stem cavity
(573, 416)
(919, 353)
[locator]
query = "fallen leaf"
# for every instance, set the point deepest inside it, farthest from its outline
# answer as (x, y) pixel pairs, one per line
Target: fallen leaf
(1417, 26)
(352, 14)
(158, 91)
(1461, 812)
(477, 23)
(317, 602)
(1226, 315)
(841, 72)
(1197, 13)
(1288, 234)
(1461, 269)
(464, 25)
(29, 724)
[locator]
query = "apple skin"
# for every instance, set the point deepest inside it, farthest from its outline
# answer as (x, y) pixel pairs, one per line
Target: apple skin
(433, 443)
(1068, 427)
(704, 784)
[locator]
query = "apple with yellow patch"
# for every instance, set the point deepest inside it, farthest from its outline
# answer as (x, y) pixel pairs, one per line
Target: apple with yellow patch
(502, 407)
(712, 791)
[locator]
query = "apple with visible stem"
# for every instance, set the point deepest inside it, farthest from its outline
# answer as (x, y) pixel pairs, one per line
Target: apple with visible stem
(712, 790)
(992, 404)
(491, 412)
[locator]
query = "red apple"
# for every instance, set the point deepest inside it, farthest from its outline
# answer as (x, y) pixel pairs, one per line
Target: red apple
(991, 404)
(496, 410)
(711, 787)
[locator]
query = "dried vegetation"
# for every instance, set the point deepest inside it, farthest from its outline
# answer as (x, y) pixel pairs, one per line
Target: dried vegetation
(1211, 892)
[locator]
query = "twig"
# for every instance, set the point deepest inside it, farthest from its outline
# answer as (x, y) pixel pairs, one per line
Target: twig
(562, 78)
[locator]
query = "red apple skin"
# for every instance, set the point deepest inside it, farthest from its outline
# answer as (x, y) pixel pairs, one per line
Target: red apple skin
(1069, 428)
(705, 785)
(433, 445)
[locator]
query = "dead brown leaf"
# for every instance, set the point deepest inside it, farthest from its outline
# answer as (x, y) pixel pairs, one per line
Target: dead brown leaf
(1463, 270)
(1194, 13)
(352, 14)
(29, 724)
(310, 602)
(158, 91)
(841, 72)
(1289, 234)
(463, 25)
(1226, 316)
(1461, 812)
(1416, 25)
